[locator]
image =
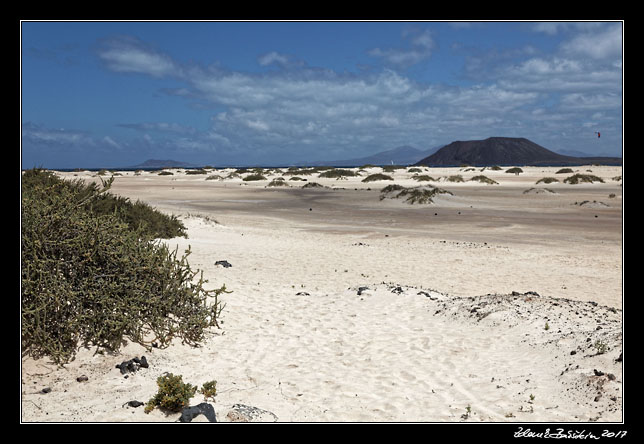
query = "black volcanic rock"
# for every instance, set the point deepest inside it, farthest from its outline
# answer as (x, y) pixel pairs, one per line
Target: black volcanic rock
(505, 151)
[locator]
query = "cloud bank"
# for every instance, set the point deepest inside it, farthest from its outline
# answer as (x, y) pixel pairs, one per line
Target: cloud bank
(290, 110)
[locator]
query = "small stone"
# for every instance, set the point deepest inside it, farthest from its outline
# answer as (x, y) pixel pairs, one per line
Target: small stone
(134, 403)
(82, 378)
(45, 390)
(189, 413)
(224, 264)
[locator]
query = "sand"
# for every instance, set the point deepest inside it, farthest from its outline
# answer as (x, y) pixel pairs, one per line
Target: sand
(497, 303)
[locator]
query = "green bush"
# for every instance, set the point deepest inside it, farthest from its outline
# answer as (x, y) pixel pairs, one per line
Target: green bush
(484, 179)
(253, 177)
(579, 178)
(515, 170)
(422, 195)
(278, 182)
(377, 176)
(546, 180)
(337, 173)
(313, 185)
(423, 178)
(209, 389)
(564, 171)
(173, 394)
(89, 279)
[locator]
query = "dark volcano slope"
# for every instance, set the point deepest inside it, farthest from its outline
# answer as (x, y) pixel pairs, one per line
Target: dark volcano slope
(505, 151)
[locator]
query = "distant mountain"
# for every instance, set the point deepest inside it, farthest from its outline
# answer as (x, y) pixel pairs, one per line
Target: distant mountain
(402, 155)
(505, 151)
(158, 164)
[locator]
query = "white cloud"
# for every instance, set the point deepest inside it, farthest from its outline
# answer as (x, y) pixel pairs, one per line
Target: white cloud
(422, 46)
(598, 45)
(312, 108)
(127, 54)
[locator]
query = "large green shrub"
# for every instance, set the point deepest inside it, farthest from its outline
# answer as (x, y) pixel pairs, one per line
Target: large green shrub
(90, 279)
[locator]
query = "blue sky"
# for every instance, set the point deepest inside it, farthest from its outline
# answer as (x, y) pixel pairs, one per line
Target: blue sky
(110, 94)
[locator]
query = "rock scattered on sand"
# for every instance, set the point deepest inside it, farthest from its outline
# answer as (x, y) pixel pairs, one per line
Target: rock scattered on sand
(132, 365)
(134, 403)
(246, 413)
(205, 409)
(224, 264)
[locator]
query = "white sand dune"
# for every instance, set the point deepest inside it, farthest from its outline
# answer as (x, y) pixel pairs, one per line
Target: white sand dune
(437, 336)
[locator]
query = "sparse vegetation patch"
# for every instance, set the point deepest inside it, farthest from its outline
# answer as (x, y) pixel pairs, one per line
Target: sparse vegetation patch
(421, 195)
(377, 176)
(546, 180)
(484, 179)
(583, 178)
(338, 173)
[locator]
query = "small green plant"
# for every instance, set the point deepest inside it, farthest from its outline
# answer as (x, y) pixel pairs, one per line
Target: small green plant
(414, 170)
(601, 347)
(173, 394)
(468, 412)
(165, 173)
(515, 170)
(209, 389)
(531, 399)
(565, 171)
(547, 327)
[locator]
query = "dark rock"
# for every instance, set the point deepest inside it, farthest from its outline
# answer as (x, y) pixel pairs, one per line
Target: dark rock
(45, 390)
(224, 264)
(598, 373)
(302, 293)
(82, 378)
(132, 365)
(190, 413)
(397, 290)
(620, 358)
(361, 289)
(134, 403)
